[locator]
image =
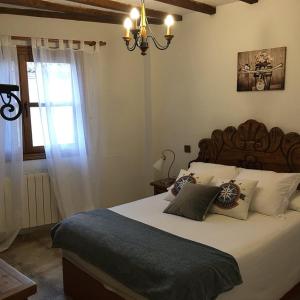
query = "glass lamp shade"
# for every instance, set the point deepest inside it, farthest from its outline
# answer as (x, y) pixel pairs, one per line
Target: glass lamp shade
(158, 164)
(134, 14)
(127, 24)
(169, 20)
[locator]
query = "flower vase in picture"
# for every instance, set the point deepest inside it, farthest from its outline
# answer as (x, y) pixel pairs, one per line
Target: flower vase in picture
(261, 70)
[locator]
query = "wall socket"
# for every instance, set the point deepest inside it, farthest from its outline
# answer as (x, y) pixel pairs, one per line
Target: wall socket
(187, 148)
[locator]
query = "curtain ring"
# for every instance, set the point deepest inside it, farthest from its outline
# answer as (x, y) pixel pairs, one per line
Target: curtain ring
(81, 45)
(61, 44)
(46, 43)
(70, 44)
(5, 40)
(38, 42)
(97, 46)
(33, 42)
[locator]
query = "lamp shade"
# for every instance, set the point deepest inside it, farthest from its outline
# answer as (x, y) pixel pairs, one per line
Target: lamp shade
(158, 164)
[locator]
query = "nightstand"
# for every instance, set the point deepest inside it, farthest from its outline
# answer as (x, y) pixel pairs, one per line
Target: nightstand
(161, 185)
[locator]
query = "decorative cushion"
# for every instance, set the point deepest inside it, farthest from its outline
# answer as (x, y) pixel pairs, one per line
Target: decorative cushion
(193, 201)
(273, 190)
(183, 178)
(234, 198)
(216, 170)
(295, 201)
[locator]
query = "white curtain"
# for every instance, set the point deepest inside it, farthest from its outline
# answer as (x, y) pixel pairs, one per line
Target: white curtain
(90, 75)
(11, 154)
(70, 142)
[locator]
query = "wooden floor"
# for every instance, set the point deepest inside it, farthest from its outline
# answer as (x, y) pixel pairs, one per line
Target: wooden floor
(32, 255)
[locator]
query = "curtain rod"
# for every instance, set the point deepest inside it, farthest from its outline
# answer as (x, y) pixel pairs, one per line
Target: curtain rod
(90, 43)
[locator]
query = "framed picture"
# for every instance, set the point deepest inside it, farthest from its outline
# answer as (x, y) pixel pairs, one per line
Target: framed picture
(261, 70)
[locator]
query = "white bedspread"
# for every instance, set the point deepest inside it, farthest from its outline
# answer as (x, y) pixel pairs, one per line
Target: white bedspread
(266, 248)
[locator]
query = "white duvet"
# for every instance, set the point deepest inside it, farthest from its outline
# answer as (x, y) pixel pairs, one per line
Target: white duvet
(266, 248)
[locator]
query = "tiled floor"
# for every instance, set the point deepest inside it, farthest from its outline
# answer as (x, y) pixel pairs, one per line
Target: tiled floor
(32, 255)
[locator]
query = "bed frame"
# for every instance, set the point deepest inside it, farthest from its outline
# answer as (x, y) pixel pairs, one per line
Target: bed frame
(250, 146)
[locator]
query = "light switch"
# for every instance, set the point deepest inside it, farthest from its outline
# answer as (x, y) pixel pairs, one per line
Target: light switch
(187, 148)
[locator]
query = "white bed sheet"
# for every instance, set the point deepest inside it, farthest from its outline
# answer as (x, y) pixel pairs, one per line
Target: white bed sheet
(266, 248)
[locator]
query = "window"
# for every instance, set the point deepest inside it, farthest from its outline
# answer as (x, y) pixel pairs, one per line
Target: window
(59, 93)
(33, 145)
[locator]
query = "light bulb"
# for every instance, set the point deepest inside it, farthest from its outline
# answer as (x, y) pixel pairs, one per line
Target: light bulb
(169, 20)
(134, 14)
(127, 23)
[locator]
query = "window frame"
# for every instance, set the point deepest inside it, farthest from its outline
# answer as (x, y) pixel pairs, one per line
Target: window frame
(30, 152)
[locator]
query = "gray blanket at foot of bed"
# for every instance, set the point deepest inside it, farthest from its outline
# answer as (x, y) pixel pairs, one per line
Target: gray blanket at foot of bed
(151, 262)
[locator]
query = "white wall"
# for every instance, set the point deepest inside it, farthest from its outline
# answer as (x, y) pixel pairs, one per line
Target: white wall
(194, 82)
(123, 107)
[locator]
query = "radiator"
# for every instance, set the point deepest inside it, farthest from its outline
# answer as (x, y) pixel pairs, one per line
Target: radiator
(39, 204)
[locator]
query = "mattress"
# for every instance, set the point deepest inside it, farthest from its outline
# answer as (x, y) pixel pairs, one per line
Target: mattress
(266, 248)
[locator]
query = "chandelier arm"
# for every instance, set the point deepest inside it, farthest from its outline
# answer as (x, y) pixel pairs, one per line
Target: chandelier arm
(131, 48)
(158, 45)
(152, 35)
(139, 42)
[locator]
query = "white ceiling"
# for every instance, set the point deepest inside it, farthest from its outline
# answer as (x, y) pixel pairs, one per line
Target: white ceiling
(150, 4)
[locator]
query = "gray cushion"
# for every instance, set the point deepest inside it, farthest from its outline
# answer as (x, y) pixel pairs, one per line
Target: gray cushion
(193, 201)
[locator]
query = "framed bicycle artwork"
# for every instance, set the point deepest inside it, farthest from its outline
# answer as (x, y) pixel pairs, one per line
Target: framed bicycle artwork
(261, 70)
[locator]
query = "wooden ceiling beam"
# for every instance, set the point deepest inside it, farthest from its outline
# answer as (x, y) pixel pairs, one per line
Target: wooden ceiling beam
(120, 6)
(103, 17)
(192, 5)
(37, 4)
(61, 8)
(250, 1)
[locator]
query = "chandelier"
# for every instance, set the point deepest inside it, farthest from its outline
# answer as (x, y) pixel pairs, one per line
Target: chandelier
(142, 33)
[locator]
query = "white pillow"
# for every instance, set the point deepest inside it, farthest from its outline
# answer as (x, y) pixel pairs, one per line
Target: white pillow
(183, 178)
(273, 190)
(235, 198)
(295, 201)
(216, 170)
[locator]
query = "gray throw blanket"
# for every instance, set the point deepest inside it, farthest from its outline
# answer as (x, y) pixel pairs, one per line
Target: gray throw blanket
(149, 261)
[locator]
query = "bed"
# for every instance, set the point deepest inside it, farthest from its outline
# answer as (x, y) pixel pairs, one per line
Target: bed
(266, 248)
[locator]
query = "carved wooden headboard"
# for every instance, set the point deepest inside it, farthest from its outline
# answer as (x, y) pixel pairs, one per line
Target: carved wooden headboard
(252, 146)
